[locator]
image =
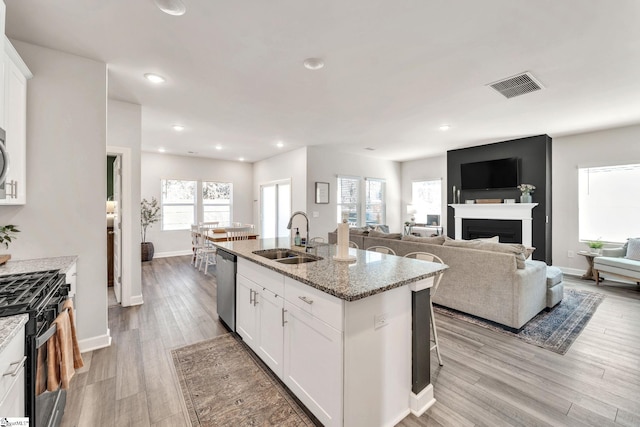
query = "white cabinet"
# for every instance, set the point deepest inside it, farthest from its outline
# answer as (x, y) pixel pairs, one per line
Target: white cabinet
(270, 322)
(12, 381)
(14, 116)
(313, 364)
(246, 318)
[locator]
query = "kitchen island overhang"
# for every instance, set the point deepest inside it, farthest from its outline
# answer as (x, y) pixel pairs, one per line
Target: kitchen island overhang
(384, 326)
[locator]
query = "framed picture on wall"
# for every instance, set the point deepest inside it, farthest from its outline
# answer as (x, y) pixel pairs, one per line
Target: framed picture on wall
(322, 193)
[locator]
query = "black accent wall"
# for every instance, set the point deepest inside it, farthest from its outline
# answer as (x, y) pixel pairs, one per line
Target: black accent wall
(535, 168)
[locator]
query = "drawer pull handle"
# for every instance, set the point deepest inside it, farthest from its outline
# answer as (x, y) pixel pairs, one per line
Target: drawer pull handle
(251, 296)
(307, 300)
(283, 321)
(17, 365)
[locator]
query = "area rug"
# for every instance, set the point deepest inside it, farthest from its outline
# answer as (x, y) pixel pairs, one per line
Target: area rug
(223, 385)
(553, 330)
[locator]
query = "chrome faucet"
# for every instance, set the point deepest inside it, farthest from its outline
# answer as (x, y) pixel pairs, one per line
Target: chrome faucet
(306, 242)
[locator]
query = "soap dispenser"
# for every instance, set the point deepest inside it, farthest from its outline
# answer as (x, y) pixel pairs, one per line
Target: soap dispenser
(296, 239)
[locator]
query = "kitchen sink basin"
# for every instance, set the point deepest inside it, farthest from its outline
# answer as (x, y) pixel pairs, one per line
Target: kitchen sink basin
(287, 256)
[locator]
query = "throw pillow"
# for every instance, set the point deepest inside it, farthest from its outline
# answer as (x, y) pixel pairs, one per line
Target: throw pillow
(633, 249)
(396, 236)
(382, 228)
(438, 240)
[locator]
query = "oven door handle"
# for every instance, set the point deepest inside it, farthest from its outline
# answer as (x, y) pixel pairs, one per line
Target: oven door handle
(17, 367)
(46, 335)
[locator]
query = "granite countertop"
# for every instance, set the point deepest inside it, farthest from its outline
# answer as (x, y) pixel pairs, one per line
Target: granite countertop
(9, 327)
(370, 274)
(62, 263)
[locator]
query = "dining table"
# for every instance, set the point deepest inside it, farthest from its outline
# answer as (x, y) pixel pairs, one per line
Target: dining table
(220, 235)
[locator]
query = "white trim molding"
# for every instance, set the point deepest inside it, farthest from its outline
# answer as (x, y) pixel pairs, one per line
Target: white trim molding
(136, 300)
(422, 401)
(172, 253)
(514, 211)
(95, 343)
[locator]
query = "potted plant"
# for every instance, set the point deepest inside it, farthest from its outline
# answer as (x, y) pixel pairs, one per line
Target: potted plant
(526, 190)
(7, 234)
(149, 214)
(596, 246)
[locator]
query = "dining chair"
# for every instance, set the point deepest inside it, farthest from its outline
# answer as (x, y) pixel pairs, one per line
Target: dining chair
(317, 240)
(382, 250)
(196, 244)
(353, 245)
(238, 233)
(426, 256)
(208, 250)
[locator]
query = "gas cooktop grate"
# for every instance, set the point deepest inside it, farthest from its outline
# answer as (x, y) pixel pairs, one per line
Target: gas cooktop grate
(20, 292)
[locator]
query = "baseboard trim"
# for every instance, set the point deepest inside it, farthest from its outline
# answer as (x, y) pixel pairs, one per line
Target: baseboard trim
(136, 300)
(95, 343)
(400, 417)
(422, 401)
(577, 273)
(172, 253)
(571, 271)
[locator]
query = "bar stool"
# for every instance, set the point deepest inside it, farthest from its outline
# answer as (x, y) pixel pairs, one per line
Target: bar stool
(426, 256)
(382, 250)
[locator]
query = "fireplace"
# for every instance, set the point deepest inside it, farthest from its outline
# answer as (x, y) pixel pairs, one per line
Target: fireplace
(519, 213)
(508, 230)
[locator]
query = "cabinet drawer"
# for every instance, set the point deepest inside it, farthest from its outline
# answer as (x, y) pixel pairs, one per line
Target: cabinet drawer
(262, 276)
(319, 304)
(11, 361)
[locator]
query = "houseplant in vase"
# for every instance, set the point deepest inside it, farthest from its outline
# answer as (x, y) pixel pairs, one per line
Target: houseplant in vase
(595, 246)
(526, 190)
(7, 234)
(149, 214)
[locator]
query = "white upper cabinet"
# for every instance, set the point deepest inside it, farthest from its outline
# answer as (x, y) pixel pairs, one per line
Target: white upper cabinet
(13, 119)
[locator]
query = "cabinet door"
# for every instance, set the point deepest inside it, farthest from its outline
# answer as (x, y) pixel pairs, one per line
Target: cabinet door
(15, 126)
(245, 311)
(13, 404)
(270, 318)
(313, 364)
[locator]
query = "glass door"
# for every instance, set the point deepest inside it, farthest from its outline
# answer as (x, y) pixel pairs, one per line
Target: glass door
(275, 209)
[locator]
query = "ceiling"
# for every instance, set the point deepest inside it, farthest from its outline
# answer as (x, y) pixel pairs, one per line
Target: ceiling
(395, 70)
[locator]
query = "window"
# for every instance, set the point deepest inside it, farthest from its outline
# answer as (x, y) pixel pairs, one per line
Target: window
(609, 201)
(178, 204)
(375, 207)
(347, 200)
(426, 197)
(216, 202)
(352, 201)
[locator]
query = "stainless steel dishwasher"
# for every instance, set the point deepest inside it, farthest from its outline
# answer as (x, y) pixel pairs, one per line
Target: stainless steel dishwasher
(226, 281)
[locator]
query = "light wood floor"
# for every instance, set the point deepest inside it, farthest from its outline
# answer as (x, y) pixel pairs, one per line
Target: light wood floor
(488, 379)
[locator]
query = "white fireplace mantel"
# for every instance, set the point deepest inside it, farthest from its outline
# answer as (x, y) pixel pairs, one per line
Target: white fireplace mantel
(514, 211)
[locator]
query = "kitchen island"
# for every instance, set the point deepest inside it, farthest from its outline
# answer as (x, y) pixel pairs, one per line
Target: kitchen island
(349, 339)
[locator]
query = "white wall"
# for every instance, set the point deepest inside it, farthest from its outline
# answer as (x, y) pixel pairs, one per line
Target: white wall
(66, 176)
(156, 167)
(290, 165)
(613, 146)
(324, 165)
(427, 169)
(124, 129)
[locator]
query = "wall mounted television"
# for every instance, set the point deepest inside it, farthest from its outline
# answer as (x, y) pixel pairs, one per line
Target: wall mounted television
(490, 174)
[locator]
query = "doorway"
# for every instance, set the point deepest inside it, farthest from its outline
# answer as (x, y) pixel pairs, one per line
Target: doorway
(114, 229)
(275, 208)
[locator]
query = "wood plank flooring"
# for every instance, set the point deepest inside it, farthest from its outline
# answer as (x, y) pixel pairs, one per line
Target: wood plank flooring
(488, 379)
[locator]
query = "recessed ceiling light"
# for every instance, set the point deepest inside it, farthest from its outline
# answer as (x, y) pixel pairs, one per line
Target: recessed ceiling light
(445, 127)
(192, 152)
(171, 7)
(241, 159)
(370, 149)
(162, 150)
(218, 147)
(155, 78)
(280, 144)
(178, 128)
(313, 63)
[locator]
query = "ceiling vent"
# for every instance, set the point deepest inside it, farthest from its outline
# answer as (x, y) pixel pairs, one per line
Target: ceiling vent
(517, 85)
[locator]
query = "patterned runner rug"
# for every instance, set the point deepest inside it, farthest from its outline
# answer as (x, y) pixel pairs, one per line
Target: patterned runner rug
(223, 385)
(554, 330)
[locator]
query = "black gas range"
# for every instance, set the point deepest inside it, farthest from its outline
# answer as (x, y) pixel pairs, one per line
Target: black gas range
(40, 295)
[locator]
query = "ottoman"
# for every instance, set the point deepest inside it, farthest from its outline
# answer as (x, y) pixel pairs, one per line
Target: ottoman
(555, 287)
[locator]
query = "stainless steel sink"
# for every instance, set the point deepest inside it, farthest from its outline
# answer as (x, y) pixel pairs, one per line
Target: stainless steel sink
(287, 256)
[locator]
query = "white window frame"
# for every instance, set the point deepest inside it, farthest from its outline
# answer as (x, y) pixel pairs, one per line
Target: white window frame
(362, 200)
(423, 208)
(164, 203)
(213, 202)
(383, 203)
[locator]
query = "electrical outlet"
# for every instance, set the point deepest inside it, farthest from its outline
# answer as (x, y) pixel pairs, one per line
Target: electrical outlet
(379, 320)
(570, 254)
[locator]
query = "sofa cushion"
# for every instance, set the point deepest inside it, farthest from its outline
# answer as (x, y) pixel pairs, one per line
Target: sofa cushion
(633, 249)
(623, 263)
(438, 240)
(396, 236)
(554, 276)
(517, 249)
